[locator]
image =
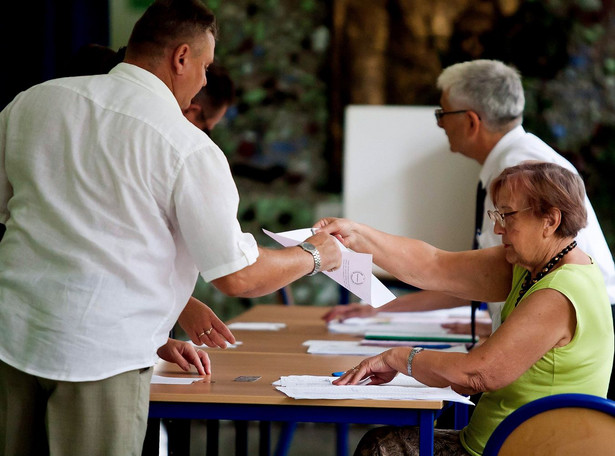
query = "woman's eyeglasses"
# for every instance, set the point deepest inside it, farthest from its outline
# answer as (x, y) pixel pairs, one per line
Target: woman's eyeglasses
(500, 217)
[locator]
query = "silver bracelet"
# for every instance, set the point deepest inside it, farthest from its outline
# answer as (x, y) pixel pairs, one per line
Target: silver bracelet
(411, 356)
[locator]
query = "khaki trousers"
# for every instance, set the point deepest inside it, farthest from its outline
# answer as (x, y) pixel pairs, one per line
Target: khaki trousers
(106, 417)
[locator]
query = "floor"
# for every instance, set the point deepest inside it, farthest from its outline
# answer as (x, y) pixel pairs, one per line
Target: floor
(309, 439)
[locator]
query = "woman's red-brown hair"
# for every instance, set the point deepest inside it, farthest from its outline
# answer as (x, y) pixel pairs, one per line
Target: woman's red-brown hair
(545, 186)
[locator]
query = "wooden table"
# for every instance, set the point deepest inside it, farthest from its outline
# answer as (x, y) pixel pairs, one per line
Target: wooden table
(302, 323)
(270, 355)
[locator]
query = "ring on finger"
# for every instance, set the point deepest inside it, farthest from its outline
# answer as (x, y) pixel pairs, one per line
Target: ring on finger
(208, 332)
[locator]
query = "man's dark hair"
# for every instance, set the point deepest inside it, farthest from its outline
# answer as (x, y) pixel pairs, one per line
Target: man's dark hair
(219, 90)
(168, 23)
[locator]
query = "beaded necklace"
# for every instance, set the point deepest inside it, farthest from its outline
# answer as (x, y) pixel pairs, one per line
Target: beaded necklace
(528, 282)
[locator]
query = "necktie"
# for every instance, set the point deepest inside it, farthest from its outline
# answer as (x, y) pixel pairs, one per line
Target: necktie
(481, 193)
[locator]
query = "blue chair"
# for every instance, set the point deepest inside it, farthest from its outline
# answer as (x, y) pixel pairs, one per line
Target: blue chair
(562, 424)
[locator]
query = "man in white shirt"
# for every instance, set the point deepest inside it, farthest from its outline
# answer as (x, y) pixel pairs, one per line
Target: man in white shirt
(482, 110)
(113, 203)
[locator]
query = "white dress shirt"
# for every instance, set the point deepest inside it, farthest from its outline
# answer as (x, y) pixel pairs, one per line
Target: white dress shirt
(113, 203)
(518, 146)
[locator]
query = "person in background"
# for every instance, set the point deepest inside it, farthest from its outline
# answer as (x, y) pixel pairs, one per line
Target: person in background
(481, 112)
(206, 109)
(113, 204)
(556, 331)
(209, 106)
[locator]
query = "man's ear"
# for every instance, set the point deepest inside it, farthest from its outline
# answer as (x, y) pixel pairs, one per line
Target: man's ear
(180, 54)
(474, 121)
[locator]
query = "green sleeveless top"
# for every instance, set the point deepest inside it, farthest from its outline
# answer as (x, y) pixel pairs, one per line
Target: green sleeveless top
(582, 366)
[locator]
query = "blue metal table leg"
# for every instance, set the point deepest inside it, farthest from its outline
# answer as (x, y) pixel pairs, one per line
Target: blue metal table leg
(426, 418)
(342, 438)
(286, 437)
(461, 415)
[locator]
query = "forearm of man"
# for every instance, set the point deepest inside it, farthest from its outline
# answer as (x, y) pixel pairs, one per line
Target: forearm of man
(273, 270)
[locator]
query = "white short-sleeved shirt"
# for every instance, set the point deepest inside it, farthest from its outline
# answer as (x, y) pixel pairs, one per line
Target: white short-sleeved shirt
(113, 203)
(518, 146)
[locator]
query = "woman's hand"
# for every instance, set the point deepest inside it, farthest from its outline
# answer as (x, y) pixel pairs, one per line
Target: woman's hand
(342, 312)
(482, 329)
(346, 231)
(184, 354)
(203, 326)
(381, 368)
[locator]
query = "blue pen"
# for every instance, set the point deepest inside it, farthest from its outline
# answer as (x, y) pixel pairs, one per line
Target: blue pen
(338, 374)
(434, 346)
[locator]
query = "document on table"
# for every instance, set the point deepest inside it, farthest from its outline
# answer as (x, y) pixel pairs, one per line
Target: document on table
(160, 380)
(369, 325)
(368, 348)
(409, 326)
(341, 347)
(355, 273)
(257, 326)
(228, 345)
(401, 387)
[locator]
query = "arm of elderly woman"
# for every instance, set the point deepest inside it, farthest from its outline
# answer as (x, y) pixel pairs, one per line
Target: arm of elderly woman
(476, 274)
(543, 320)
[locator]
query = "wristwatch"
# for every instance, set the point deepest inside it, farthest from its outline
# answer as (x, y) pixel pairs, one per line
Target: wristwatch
(411, 356)
(314, 251)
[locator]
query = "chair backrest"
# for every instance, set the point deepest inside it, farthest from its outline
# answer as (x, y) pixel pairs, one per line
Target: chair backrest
(562, 424)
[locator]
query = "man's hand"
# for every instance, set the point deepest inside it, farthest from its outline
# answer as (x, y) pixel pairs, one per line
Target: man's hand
(343, 312)
(203, 326)
(184, 354)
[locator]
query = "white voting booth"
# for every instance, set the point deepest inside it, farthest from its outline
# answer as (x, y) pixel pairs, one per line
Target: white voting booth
(401, 177)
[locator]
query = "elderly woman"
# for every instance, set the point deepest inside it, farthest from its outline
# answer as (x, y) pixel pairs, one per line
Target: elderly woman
(556, 335)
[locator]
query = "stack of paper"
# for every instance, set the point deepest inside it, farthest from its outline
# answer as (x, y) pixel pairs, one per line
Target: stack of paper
(367, 348)
(401, 387)
(341, 347)
(409, 326)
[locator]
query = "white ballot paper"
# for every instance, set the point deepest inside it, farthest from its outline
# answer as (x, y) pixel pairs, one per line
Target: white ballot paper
(355, 273)
(161, 380)
(257, 326)
(401, 387)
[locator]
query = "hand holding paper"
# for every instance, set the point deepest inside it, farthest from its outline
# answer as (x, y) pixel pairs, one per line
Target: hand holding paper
(355, 273)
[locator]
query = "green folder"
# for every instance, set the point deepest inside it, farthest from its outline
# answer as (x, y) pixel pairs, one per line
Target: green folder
(420, 338)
